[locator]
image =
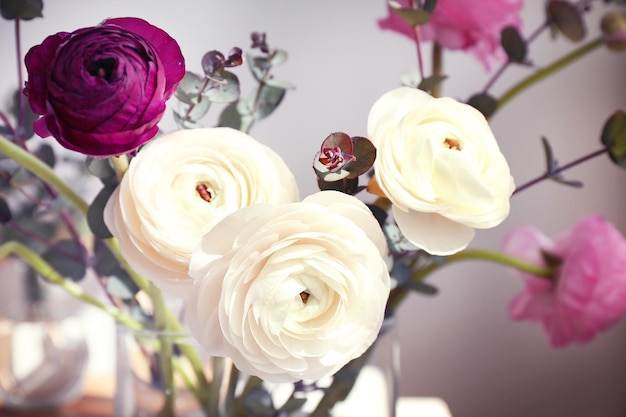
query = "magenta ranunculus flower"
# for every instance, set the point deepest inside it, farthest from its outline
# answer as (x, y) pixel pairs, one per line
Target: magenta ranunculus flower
(102, 89)
(589, 292)
(468, 25)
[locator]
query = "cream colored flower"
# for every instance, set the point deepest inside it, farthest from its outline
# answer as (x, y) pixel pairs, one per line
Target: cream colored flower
(441, 167)
(291, 292)
(182, 184)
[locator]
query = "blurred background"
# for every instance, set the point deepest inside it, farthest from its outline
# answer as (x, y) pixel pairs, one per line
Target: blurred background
(459, 345)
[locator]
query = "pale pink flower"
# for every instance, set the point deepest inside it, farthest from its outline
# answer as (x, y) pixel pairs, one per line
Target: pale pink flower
(588, 294)
(468, 25)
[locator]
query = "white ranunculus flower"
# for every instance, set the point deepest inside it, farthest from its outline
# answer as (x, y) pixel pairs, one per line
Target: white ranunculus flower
(291, 292)
(441, 167)
(179, 186)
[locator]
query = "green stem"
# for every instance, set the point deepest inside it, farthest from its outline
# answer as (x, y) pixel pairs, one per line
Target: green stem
(437, 67)
(165, 351)
(549, 70)
(476, 254)
(50, 274)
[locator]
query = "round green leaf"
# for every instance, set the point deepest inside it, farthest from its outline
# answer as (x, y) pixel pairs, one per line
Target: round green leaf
(484, 103)
(513, 44)
(614, 137)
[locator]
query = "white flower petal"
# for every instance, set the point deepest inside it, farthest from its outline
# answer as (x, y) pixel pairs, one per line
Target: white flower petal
(433, 233)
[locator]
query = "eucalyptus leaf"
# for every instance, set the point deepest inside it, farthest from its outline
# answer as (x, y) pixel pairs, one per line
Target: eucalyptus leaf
(119, 283)
(428, 83)
(123, 289)
(285, 85)
(190, 88)
(422, 288)
(188, 115)
(100, 167)
(259, 403)
(267, 101)
(484, 103)
(513, 44)
(5, 211)
(614, 137)
(21, 9)
(230, 117)
(66, 258)
(95, 213)
(46, 154)
(278, 57)
(567, 19)
(259, 66)
(224, 89)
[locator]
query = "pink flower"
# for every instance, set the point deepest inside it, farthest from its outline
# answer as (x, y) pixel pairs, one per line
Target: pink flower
(588, 294)
(469, 25)
(102, 89)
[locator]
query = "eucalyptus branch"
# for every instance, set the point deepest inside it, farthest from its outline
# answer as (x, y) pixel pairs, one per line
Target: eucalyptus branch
(51, 275)
(476, 254)
(549, 70)
(560, 169)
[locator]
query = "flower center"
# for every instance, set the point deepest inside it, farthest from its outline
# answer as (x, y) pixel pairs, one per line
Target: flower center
(453, 144)
(102, 68)
(204, 192)
(304, 296)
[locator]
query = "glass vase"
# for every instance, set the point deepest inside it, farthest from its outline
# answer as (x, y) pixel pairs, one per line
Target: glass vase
(43, 349)
(169, 383)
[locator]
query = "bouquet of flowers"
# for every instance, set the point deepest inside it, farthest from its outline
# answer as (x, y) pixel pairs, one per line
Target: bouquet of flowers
(293, 289)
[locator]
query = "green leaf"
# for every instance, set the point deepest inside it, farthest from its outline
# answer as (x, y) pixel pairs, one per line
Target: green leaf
(614, 137)
(268, 100)
(484, 103)
(365, 153)
(428, 83)
(21, 9)
(514, 45)
(413, 17)
(422, 288)
(5, 211)
(224, 89)
(46, 154)
(567, 19)
(230, 117)
(259, 403)
(118, 282)
(67, 259)
(95, 213)
(100, 168)
(190, 88)
(188, 115)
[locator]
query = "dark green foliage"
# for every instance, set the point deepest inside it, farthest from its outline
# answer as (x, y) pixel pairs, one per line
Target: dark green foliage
(614, 137)
(21, 9)
(513, 44)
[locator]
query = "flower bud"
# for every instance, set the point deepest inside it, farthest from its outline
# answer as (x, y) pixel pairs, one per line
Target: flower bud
(613, 26)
